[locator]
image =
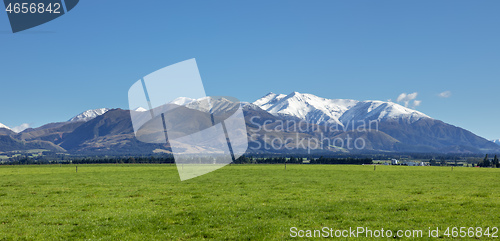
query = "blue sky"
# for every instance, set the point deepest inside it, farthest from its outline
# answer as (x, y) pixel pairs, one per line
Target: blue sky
(364, 50)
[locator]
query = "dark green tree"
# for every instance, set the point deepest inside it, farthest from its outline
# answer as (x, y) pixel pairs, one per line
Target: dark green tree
(496, 163)
(443, 162)
(486, 161)
(433, 162)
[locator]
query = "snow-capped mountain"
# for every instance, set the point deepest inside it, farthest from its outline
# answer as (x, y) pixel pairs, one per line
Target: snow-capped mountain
(306, 107)
(4, 126)
(380, 110)
(497, 141)
(89, 115)
(317, 110)
(209, 104)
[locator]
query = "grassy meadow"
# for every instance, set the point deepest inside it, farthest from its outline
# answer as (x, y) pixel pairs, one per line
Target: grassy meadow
(238, 202)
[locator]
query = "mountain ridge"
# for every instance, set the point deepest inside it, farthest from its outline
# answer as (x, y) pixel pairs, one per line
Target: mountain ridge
(4, 127)
(318, 110)
(89, 115)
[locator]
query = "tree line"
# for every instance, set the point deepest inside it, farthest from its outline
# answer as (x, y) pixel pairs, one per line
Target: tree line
(302, 160)
(486, 162)
(26, 160)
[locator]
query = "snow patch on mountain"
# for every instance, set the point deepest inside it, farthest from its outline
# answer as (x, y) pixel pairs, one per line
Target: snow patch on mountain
(307, 107)
(89, 115)
(21, 128)
(497, 141)
(4, 126)
(380, 110)
(207, 104)
(17, 129)
(183, 101)
(269, 100)
(317, 110)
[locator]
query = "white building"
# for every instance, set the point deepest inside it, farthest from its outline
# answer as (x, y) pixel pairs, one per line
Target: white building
(395, 162)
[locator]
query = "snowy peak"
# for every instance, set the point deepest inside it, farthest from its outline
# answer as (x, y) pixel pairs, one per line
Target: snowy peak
(307, 107)
(317, 110)
(213, 104)
(89, 115)
(206, 104)
(497, 141)
(269, 100)
(380, 110)
(4, 126)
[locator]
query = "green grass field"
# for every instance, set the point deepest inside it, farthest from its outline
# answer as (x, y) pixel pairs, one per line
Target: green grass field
(239, 202)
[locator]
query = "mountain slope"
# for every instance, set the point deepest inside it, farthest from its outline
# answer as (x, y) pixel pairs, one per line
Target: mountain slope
(111, 132)
(8, 143)
(427, 134)
(380, 111)
(52, 132)
(5, 130)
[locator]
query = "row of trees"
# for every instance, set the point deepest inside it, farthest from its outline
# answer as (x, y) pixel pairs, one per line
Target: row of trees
(486, 162)
(52, 158)
(331, 160)
(25, 160)
(267, 160)
(301, 160)
(91, 160)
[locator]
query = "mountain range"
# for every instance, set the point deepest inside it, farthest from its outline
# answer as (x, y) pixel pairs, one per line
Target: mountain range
(317, 110)
(274, 118)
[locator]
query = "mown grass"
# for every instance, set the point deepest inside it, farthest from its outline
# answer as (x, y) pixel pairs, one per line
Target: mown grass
(238, 202)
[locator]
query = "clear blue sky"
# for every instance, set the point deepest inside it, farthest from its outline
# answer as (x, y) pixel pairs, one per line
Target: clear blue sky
(361, 50)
